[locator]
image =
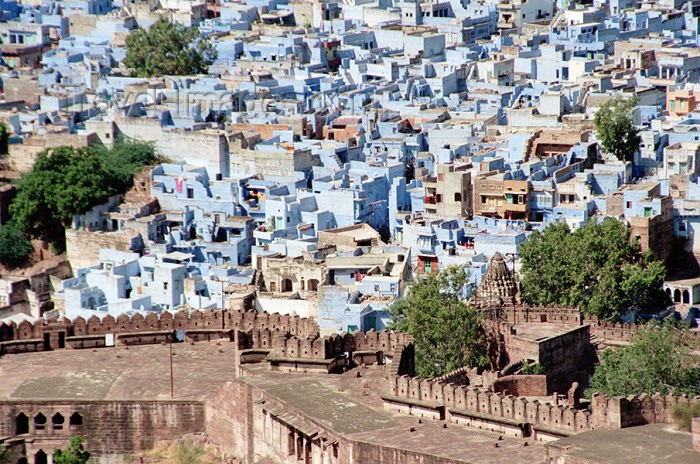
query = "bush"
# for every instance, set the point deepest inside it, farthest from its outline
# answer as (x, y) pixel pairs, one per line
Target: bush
(15, 248)
(532, 369)
(683, 413)
(188, 453)
(74, 454)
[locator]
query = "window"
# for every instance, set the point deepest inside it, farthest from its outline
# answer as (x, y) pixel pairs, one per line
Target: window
(483, 200)
(376, 288)
(681, 227)
(441, 177)
(57, 420)
(165, 285)
(40, 422)
(439, 198)
(458, 196)
(629, 204)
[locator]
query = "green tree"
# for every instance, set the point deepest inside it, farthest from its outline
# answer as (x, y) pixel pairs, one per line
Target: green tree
(64, 181)
(615, 129)
(67, 181)
(168, 49)
(448, 333)
(596, 268)
(74, 454)
(125, 159)
(658, 359)
(15, 247)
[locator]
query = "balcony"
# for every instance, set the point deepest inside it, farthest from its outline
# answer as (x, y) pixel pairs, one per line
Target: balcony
(430, 200)
(516, 208)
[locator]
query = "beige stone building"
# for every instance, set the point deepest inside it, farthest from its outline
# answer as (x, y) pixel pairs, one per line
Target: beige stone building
(449, 193)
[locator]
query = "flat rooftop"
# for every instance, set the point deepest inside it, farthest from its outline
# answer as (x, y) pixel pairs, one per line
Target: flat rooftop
(657, 443)
(543, 331)
(117, 373)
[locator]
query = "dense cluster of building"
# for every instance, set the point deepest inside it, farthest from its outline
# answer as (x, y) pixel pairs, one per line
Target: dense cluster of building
(451, 129)
(333, 152)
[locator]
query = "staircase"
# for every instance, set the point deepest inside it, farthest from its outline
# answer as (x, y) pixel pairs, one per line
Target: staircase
(337, 159)
(598, 343)
(558, 20)
(259, 282)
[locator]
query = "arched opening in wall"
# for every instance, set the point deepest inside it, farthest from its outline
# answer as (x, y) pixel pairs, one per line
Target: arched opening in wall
(40, 457)
(21, 424)
(286, 285)
(76, 420)
(676, 296)
(313, 285)
(290, 444)
(669, 293)
(40, 422)
(686, 297)
(57, 421)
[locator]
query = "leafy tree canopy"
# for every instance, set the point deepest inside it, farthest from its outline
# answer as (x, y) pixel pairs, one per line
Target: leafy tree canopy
(74, 454)
(595, 268)
(659, 359)
(448, 333)
(615, 129)
(168, 49)
(15, 247)
(66, 181)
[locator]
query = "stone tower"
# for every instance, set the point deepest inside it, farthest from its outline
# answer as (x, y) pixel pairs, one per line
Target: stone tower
(498, 285)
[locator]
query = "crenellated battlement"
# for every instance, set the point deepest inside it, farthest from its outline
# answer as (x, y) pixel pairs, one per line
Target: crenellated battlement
(80, 333)
(610, 332)
(522, 416)
(289, 352)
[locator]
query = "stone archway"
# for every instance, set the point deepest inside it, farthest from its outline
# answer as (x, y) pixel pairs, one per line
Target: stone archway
(40, 457)
(287, 286)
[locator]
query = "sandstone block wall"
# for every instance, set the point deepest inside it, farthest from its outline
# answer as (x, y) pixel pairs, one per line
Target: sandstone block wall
(27, 337)
(110, 428)
(606, 412)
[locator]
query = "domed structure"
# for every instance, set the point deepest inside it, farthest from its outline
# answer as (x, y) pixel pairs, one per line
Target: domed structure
(498, 284)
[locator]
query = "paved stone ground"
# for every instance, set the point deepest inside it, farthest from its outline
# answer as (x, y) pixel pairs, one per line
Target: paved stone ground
(118, 373)
(655, 443)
